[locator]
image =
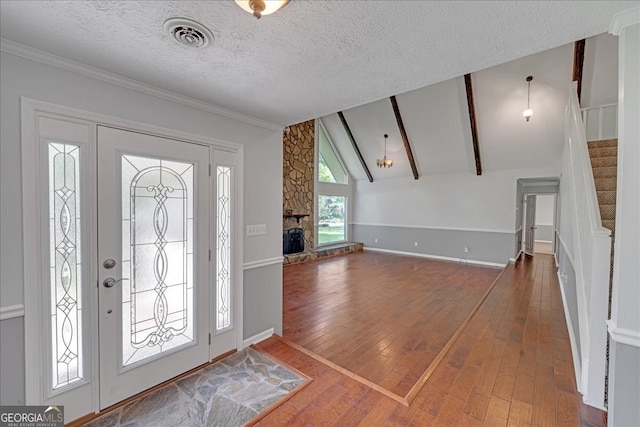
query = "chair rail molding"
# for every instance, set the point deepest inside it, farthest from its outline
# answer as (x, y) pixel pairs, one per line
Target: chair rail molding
(622, 335)
(11, 311)
(262, 263)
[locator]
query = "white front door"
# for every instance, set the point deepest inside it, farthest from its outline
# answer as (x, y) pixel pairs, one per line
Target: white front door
(530, 224)
(135, 247)
(153, 260)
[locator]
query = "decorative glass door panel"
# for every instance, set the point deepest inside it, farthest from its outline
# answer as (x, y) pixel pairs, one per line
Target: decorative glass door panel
(227, 299)
(223, 248)
(157, 256)
(59, 286)
(66, 264)
(153, 251)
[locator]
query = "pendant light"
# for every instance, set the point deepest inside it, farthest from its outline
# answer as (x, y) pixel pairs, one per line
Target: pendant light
(528, 112)
(385, 162)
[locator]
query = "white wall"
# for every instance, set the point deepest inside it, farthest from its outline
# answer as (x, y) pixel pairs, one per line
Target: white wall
(600, 71)
(441, 215)
(464, 200)
(624, 326)
(544, 217)
(22, 77)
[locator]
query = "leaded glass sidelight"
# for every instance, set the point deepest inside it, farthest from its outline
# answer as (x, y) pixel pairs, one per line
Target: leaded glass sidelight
(223, 248)
(157, 256)
(65, 267)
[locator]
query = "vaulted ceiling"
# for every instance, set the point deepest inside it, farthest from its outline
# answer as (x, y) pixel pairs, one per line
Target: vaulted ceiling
(436, 119)
(311, 58)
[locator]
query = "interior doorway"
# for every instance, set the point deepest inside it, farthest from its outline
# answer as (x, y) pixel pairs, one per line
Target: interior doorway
(536, 216)
(544, 223)
(539, 223)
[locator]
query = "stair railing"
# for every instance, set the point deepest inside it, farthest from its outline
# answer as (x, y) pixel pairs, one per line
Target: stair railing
(600, 122)
(591, 255)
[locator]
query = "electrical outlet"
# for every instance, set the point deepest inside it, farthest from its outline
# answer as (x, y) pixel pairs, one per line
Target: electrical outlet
(466, 249)
(375, 240)
(415, 243)
(256, 229)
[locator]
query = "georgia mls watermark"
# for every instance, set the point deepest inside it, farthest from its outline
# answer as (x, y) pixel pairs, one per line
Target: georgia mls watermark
(31, 416)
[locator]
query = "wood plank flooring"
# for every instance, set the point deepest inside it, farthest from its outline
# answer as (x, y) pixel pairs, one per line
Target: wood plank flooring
(510, 366)
(383, 317)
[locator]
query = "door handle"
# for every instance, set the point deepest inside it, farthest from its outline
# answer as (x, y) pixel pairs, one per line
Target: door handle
(110, 282)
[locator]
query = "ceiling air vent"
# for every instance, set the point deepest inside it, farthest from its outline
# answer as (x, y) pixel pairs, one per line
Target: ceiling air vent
(188, 32)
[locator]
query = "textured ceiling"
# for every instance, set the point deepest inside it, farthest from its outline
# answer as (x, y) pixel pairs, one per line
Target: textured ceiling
(310, 59)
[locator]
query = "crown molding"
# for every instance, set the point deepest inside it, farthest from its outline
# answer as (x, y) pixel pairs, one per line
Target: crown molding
(624, 19)
(18, 49)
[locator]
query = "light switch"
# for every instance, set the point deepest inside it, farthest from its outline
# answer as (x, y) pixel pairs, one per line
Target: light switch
(256, 229)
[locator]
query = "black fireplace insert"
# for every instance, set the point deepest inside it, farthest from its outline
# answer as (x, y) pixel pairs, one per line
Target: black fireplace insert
(293, 241)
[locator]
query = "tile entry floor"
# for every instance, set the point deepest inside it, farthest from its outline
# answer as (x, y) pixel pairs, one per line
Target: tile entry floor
(227, 393)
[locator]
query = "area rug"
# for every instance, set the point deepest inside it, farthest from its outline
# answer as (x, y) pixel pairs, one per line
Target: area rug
(234, 391)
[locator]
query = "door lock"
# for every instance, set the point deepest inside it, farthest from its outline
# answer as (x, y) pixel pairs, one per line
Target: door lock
(110, 282)
(109, 263)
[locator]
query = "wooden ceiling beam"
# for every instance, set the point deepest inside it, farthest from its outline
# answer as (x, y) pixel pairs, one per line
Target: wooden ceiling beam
(474, 124)
(355, 145)
(405, 138)
(578, 61)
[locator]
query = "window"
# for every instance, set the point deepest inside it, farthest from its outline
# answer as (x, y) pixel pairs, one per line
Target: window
(331, 219)
(332, 191)
(329, 167)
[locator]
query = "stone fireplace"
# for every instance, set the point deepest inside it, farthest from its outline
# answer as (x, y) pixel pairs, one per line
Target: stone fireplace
(298, 179)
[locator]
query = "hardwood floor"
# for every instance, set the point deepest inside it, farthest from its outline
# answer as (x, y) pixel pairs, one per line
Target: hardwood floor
(385, 318)
(510, 366)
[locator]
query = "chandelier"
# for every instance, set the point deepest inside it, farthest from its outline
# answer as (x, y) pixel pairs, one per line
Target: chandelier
(385, 162)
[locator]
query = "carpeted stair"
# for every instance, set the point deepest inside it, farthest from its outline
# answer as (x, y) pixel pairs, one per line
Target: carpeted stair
(604, 162)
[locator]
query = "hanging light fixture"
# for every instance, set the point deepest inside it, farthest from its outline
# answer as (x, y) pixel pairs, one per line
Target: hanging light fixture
(261, 7)
(528, 112)
(385, 162)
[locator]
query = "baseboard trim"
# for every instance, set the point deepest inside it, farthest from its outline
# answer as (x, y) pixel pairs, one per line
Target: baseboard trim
(572, 339)
(622, 335)
(11, 311)
(262, 263)
(517, 257)
(258, 337)
(437, 257)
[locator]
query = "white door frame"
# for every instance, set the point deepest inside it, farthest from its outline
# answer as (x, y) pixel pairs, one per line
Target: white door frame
(31, 112)
(528, 227)
(554, 238)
